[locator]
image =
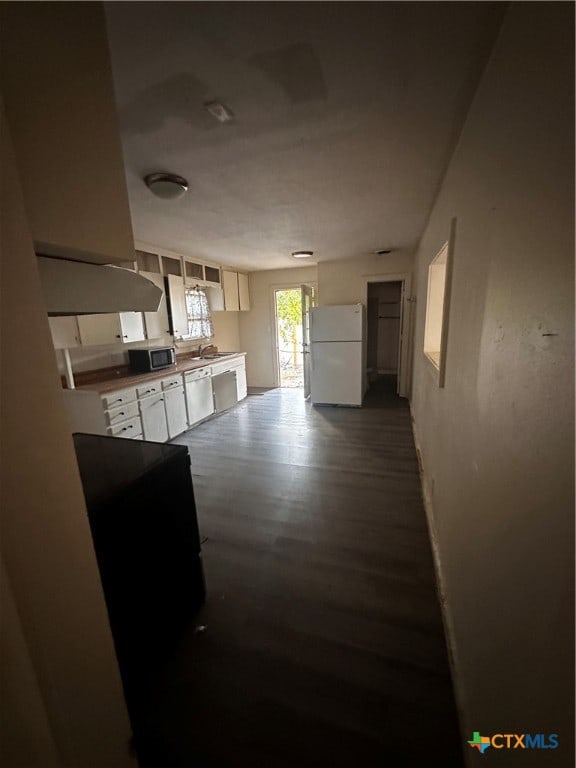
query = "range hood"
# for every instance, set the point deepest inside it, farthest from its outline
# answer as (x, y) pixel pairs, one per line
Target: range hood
(78, 288)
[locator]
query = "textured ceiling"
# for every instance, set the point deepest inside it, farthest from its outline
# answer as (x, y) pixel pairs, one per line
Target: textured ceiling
(345, 118)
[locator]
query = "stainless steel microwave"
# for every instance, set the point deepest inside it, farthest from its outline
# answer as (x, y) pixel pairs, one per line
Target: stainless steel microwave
(146, 359)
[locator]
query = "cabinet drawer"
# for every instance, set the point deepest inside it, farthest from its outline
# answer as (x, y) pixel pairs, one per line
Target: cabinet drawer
(124, 412)
(130, 428)
(172, 383)
(225, 365)
(118, 398)
(152, 388)
(199, 373)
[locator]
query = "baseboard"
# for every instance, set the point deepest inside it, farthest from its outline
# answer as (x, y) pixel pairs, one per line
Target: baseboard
(447, 620)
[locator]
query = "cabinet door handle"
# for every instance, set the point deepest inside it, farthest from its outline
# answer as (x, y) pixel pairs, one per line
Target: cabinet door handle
(125, 335)
(121, 413)
(118, 336)
(125, 428)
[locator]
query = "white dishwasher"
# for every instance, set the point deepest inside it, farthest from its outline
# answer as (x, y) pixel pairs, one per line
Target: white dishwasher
(199, 397)
(225, 390)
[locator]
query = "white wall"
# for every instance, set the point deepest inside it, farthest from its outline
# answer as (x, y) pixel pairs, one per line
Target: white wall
(257, 327)
(497, 442)
(344, 282)
(227, 331)
(66, 674)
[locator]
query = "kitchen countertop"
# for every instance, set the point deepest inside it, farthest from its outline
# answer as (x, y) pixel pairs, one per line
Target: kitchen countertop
(182, 365)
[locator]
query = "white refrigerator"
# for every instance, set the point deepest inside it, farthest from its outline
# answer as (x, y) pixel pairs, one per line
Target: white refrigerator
(337, 347)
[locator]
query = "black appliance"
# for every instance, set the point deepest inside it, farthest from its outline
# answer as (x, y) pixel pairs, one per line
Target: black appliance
(146, 359)
(142, 514)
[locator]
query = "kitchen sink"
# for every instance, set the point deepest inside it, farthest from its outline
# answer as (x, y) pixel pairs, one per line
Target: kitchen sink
(216, 355)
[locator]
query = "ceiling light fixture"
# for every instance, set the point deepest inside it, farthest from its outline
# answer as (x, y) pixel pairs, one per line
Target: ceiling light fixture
(302, 254)
(383, 252)
(220, 111)
(167, 186)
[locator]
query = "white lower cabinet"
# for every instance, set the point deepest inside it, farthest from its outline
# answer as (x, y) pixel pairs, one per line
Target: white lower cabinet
(158, 409)
(131, 428)
(241, 385)
(153, 415)
(175, 404)
(238, 366)
(199, 396)
(121, 414)
(113, 413)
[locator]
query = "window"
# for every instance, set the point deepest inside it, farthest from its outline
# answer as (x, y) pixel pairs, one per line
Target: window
(199, 322)
(437, 307)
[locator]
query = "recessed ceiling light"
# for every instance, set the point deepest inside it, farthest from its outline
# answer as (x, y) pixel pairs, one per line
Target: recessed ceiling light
(167, 186)
(220, 111)
(302, 254)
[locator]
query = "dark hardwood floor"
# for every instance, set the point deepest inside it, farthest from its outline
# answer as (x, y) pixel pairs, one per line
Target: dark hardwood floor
(324, 643)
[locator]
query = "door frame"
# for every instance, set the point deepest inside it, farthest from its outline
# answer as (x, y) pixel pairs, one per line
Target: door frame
(405, 342)
(274, 334)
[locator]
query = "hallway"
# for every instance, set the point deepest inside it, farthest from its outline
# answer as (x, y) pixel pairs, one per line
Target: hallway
(324, 642)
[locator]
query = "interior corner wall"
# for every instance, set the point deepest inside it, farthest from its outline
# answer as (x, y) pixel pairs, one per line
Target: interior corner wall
(497, 443)
(60, 634)
(257, 326)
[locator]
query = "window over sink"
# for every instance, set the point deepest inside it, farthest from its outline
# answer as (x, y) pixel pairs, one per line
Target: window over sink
(198, 313)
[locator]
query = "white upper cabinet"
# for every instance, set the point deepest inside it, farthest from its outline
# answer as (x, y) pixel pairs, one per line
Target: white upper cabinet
(156, 322)
(132, 326)
(243, 292)
(119, 328)
(177, 306)
(65, 333)
(230, 286)
(235, 296)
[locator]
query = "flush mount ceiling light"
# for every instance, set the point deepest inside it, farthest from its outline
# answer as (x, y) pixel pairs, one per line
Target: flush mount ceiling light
(167, 186)
(220, 111)
(383, 252)
(302, 254)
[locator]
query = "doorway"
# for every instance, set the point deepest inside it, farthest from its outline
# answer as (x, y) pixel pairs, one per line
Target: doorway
(384, 318)
(289, 336)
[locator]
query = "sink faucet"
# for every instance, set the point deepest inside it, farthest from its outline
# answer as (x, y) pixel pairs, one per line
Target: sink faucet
(199, 350)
